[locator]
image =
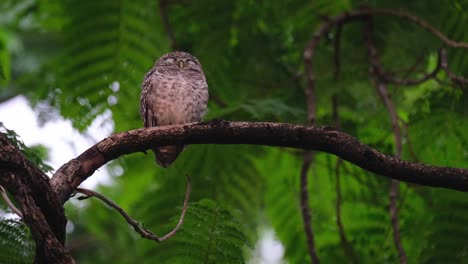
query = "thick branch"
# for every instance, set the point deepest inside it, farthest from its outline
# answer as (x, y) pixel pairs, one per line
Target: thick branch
(48, 248)
(38, 203)
(325, 139)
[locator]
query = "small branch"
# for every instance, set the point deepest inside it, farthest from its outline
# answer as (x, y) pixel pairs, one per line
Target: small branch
(381, 87)
(412, 18)
(393, 194)
(347, 247)
(408, 141)
(9, 202)
(336, 54)
(414, 67)
(308, 157)
(388, 78)
(354, 15)
(305, 208)
(455, 78)
(145, 233)
(163, 4)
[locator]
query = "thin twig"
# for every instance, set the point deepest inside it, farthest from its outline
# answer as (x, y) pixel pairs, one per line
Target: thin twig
(336, 54)
(305, 208)
(309, 155)
(9, 202)
(381, 87)
(347, 247)
(406, 81)
(141, 230)
(444, 64)
(415, 65)
(163, 4)
(408, 141)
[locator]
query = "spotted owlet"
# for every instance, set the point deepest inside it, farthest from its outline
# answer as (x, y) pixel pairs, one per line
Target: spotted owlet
(174, 92)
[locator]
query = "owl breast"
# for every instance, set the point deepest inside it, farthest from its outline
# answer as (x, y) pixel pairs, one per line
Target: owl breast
(180, 98)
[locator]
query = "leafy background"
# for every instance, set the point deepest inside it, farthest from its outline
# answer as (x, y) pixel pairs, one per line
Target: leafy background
(84, 58)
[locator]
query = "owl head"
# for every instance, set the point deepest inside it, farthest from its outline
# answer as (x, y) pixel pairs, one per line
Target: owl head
(179, 60)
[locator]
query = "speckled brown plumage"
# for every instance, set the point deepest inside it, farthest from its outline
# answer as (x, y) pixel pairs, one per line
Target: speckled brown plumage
(174, 92)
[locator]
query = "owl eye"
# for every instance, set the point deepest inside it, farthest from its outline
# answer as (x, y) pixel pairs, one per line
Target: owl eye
(191, 62)
(169, 60)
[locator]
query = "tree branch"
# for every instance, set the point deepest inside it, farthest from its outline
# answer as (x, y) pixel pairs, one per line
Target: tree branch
(325, 139)
(41, 209)
(145, 233)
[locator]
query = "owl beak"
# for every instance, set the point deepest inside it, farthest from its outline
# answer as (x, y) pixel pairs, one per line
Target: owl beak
(181, 64)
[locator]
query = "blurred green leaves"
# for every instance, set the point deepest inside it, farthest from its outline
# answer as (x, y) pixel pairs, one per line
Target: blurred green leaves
(85, 58)
(16, 245)
(37, 153)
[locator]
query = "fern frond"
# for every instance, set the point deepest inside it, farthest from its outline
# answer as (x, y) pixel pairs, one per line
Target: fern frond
(16, 243)
(106, 43)
(210, 234)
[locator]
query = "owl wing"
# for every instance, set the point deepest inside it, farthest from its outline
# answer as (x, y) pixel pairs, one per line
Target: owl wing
(146, 109)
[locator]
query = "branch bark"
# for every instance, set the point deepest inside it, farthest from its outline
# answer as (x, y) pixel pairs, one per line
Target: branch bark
(39, 205)
(18, 180)
(326, 139)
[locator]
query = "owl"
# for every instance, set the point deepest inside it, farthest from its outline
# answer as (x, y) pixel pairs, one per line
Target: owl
(173, 92)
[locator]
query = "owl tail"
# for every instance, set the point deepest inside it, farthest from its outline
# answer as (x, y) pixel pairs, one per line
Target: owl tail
(164, 156)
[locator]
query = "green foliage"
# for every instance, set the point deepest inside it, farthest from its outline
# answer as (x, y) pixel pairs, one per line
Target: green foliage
(37, 154)
(4, 57)
(86, 58)
(210, 234)
(16, 245)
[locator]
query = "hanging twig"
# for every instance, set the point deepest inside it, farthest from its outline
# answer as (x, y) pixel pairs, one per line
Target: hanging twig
(141, 230)
(444, 63)
(336, 52)
(381, 87)
(163, 12)
(10, 203)
(408, 141)
(347, 247)
(309, 155)
(305, 208)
